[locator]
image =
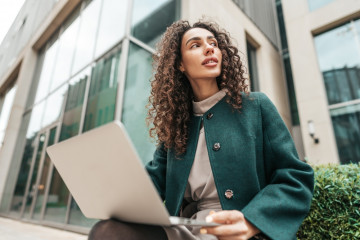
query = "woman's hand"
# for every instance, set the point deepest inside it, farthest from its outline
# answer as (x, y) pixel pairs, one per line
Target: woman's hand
(234, 226)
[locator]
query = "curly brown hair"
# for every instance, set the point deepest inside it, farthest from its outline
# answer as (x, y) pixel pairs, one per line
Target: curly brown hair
(170, 101)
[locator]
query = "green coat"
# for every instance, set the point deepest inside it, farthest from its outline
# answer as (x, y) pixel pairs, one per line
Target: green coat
(257, 160)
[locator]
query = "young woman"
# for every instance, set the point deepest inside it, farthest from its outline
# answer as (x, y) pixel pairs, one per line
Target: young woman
(224, 154)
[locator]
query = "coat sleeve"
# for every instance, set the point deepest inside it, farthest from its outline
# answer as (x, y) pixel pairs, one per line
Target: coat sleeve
(280, 207)
(157, 170)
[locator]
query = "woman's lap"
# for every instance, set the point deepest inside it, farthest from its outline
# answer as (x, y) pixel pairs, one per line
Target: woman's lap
(115, 230)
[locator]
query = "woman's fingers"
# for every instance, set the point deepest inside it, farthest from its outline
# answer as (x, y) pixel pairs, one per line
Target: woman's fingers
(225, 217)
(236, 229)
(234, 226)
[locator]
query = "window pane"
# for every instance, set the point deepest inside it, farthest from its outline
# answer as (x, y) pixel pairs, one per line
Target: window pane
(56, 204)
(47, 71)
(112, 24)
(44, 175)
(252, 65)
(24, 169)
(346, 123)
(150, 19)
(291, 91)
(54, 105)
(333, 55)
(86, 41)
(74, 105)
(36, 118)
(339, 63)
(316, 4)
(137, 90)
(65, 55)
(5, 111)
(32, 187)
(100, 107)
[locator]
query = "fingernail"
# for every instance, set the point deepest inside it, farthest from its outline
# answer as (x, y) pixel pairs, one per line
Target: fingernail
(208, 219)
(203, 231)
(211, 212)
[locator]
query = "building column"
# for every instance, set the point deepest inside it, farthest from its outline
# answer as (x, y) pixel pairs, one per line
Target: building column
(11, 152)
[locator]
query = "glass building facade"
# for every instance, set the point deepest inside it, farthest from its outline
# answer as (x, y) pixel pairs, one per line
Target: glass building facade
(86, 75)
(338, 53)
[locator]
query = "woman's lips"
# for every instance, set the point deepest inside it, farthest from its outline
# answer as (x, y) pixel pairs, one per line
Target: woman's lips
(210, 62)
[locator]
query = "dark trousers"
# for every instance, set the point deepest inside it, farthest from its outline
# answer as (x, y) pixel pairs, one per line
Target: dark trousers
(116, 230)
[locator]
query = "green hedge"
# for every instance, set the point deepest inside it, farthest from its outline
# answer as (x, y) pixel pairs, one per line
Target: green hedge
(335, 208)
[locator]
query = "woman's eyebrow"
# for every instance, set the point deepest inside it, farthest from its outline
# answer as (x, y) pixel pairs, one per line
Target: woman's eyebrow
(198, 38)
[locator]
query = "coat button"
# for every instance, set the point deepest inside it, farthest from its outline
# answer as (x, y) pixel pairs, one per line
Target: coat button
(209, 116)
(216, 147)
(229, 194)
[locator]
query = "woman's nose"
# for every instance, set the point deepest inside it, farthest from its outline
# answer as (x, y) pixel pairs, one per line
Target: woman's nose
(209, 49)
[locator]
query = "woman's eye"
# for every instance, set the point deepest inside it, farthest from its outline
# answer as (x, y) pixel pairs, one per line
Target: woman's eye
(194, 45)
(214, 44)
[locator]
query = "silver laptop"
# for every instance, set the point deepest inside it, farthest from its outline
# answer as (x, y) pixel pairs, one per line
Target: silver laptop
(107, 179)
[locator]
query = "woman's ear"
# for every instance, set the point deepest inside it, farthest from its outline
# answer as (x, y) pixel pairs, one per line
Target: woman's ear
(181, 67)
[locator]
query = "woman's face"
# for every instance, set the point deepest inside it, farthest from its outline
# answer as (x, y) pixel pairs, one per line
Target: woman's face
(201, 57)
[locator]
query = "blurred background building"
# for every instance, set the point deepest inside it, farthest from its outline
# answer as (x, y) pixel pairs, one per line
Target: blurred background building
(67, 66)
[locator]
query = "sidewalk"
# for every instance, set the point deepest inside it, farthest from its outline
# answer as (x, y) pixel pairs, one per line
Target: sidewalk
(16, 230)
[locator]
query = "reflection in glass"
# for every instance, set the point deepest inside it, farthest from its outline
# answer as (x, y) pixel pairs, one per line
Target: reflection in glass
(112, 24)
(150, 19)
(32, 187)
(346, 123)
(86, 40)
(44, 175)
(57, 200)
(316, 4)
(338, 52)
(333, 55)
(5, 112)
(340, 63)
(100, 107)
(36, 119)
(24, 170)
(54, 105)
(74, 104)
(137, 90)
(65, 54)
(342, 84)
(47, 71)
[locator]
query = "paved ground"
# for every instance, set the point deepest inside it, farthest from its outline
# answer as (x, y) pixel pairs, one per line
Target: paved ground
(16, 230)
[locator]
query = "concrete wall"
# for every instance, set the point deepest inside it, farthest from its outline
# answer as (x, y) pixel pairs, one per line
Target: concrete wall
(309, 85)
(31, 15)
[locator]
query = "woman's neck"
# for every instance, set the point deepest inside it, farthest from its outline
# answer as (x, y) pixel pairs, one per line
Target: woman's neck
(203, 89)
